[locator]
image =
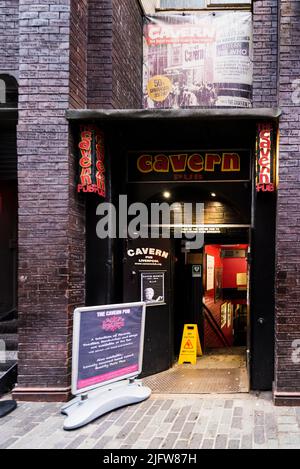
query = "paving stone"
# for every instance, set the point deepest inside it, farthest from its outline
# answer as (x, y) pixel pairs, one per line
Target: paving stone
(237, 423)
(193, 416)
(200, 422)
(246, 442)
(155, 443)
(125, 430)
(7, 443)
(221, 442)
(289, 427)
(167, 404)
(228, 404)
(181, 444)
(76, 442)
(142, 424)
(237, 411)
(178, 424)
(196, 440)
(171, 415)
(258, 418)
(187, 430)
(207, 443)
(169, 442)
(102, 442)
(233, 444)
(259, 436)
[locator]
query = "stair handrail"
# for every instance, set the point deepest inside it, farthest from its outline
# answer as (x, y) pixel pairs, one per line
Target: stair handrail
(215, 326)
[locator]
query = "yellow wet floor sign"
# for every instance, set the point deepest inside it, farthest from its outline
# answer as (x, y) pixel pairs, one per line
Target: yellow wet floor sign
(190, 345)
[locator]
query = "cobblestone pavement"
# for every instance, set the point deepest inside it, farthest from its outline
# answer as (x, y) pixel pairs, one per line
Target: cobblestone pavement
(163, 421)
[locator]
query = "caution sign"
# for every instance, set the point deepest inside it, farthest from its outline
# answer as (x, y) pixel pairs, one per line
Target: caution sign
(190, 345)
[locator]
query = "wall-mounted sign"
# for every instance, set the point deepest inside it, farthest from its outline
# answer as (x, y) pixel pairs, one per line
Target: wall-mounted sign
(196, 270)
(198, 60)
(265, 161)
(184, 166)
(229, 314)
(107, 344)
(210, 272)
(223, 311)
(153, 287)
(91, 162)
(142, 256)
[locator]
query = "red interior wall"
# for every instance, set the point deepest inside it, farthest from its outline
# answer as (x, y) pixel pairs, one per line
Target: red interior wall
(231, 267)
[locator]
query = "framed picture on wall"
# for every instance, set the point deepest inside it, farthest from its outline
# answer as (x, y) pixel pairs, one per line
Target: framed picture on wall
(218, 284)
(229, 314)
(153, 287)
(210, 272)
(223, 309)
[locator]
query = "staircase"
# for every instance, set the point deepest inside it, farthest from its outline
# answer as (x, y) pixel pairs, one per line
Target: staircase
(8, 360)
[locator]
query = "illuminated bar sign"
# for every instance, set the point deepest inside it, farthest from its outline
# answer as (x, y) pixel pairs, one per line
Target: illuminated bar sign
(265, 174)
(189, 166)
(91, 162)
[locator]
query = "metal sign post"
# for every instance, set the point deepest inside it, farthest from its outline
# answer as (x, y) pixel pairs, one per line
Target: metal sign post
(107, 357)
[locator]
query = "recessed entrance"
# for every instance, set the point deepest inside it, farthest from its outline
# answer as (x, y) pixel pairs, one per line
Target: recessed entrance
(149, 163)
(210, 290)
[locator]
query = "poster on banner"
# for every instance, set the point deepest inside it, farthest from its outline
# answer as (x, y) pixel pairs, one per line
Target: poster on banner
(107, 344)
(198, 60)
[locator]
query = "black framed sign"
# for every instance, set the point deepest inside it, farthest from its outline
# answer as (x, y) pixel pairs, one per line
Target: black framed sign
(153, 287)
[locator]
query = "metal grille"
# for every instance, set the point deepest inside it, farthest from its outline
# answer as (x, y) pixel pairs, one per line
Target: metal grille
(185, 380)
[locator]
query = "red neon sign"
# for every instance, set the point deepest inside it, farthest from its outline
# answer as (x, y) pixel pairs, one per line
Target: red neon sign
(264, 159)
(91, 162)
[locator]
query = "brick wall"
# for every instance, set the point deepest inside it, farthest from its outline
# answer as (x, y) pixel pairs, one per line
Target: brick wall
(114, 54)
(265, 53)
(9, 44)
(127, 54)
(78, 54)
(287, 372)
(51, 220)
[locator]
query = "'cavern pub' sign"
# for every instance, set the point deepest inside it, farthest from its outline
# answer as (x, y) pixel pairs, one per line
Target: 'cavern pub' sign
(91, 161)
(265, 161)
(189, 166)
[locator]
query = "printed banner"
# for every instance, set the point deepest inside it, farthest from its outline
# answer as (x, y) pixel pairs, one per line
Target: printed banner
(185, 166)
(108, 344)
(202, 60)
(91, 162)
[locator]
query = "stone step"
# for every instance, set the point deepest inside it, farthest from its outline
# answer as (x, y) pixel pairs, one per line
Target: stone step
(9, 327)
(11, 341)
(6, 365)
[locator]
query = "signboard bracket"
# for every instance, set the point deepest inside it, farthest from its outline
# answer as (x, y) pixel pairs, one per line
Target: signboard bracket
(87, 407)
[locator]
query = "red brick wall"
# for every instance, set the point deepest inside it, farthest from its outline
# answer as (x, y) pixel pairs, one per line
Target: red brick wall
(9, 34)
(114, 54)
(51, 218)
(265, 53)
(78, 54)
(287, 371)
(127, 54)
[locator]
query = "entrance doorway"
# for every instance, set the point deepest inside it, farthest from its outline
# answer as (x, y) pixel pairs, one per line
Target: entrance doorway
(218, 302)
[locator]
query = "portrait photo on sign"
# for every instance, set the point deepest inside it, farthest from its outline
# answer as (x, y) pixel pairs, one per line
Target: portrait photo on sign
(152, 287)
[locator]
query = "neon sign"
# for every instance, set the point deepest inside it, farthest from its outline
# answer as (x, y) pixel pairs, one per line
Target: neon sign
(264, 159)
(91, 162)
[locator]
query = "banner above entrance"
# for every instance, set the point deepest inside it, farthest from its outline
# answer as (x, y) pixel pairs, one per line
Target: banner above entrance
(185, 166)
(197, 60)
